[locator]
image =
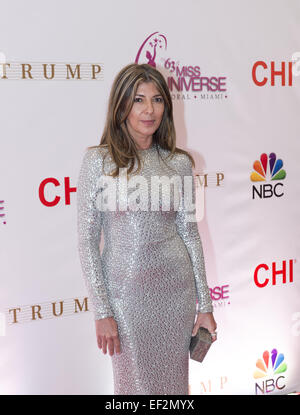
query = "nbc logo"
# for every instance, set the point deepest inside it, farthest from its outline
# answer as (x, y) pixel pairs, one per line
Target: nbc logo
(269, 367)
(262, 173)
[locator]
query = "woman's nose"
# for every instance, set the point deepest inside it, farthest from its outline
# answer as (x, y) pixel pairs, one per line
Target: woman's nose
(149, 107)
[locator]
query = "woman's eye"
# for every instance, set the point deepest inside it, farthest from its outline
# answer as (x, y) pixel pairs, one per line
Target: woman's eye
(138, 99)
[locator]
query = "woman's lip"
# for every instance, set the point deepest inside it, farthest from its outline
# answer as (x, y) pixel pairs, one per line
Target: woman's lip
(148, 121)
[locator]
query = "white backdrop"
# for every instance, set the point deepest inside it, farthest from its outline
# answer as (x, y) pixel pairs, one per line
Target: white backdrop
(47, 337)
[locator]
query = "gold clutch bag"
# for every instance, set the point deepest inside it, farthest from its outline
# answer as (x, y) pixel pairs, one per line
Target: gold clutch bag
(200, 344)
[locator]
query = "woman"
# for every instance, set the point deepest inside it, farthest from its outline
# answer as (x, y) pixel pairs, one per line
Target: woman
(144, 288)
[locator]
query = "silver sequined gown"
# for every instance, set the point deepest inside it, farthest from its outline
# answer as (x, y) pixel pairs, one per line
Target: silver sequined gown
(149, 277)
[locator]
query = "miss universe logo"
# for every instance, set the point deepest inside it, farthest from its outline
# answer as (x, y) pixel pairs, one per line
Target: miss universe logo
(184, 81)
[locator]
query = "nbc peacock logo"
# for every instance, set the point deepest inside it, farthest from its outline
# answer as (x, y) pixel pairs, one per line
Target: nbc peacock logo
(269, 372)
(267, 168)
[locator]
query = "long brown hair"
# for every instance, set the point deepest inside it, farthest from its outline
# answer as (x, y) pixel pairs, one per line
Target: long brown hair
(116, 137)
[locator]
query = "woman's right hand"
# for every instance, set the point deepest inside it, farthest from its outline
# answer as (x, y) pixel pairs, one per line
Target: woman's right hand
(107, 335)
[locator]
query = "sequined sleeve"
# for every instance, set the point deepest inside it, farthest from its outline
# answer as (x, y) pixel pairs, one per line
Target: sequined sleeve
(189, 233)
(89, 225)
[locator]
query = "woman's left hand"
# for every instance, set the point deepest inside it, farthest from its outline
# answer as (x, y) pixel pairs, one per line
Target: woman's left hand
(206, 320)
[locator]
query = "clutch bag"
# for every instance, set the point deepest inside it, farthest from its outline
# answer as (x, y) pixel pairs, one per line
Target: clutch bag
(200, 344)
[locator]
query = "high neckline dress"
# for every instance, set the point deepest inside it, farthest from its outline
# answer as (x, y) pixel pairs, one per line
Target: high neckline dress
(150, 275)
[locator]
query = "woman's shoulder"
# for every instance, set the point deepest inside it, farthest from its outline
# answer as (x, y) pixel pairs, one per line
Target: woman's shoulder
(93, 158)
(95, 153)
(99, 149)
(179, 158)
(184, 158)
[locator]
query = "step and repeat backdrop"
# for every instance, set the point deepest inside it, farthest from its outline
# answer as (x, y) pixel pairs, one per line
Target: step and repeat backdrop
(233, 70)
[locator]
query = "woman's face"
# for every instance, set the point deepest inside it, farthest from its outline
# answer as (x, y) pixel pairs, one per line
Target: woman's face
(146, 113)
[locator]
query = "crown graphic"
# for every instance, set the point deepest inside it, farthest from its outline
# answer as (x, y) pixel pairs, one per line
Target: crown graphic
(261, 168)
(270, 362)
